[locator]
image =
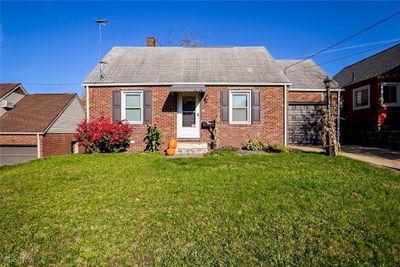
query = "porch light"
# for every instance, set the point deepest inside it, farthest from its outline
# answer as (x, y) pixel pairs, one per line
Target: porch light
(327, 82)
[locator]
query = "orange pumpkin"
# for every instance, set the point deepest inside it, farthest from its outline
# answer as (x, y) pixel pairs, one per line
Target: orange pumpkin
(172, 143)
(170, 151)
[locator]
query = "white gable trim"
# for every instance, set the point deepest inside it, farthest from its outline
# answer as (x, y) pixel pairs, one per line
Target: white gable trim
(19, 86)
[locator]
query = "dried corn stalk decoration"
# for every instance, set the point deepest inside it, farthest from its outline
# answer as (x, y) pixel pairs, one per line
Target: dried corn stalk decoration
(328, 129)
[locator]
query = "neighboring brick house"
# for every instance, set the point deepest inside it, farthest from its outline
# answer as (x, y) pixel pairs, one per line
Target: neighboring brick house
(178, 88)
(36, 125)
(371, 85)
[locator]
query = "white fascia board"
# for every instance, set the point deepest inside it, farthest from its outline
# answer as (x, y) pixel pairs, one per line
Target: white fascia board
(20, 133)
(184, 83)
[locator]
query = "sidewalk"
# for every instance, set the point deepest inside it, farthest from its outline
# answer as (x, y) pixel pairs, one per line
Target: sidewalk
(377, 156)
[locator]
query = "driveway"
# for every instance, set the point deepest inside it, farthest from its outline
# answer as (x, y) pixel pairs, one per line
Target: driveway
(377, 156)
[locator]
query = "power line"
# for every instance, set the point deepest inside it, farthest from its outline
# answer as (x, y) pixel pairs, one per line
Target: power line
(350, 47)
(344, 57)
(346, 39)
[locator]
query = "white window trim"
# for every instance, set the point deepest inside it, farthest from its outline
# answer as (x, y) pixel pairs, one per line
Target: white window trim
(123, 106)
(397, 103)
(231, 92)
(354, 97)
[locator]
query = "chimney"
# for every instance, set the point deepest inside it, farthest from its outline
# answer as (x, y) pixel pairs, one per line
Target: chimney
(151, 42)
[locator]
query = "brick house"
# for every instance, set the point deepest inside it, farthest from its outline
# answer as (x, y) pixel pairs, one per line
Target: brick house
(180, 88)
(371, 85)
(36, 125)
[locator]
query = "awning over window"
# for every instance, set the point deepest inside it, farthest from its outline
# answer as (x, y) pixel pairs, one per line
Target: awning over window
(188, 88)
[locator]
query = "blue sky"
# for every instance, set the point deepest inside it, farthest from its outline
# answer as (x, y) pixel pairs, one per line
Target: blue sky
(57, 42)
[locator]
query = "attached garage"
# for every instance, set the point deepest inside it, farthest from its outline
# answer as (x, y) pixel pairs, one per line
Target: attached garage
(303, 124)
(13, 154)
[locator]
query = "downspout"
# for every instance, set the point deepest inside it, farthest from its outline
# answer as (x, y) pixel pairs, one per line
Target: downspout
(338, 117)
(39, 147)
(285, 116)
(87, 102)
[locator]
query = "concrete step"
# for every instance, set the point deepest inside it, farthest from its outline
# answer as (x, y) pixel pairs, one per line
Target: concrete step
(191, 148)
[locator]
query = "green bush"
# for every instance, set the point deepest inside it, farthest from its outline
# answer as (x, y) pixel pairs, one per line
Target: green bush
(276, 148)
(254, 145)
(153, 138)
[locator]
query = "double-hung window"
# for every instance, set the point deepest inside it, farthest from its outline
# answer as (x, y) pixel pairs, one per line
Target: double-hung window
(361, 98)
(132, 107)
(391, 94)
(239, 107)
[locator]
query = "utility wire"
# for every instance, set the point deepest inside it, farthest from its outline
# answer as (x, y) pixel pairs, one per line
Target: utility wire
(344, 57)
(349, 47)
(345, 39)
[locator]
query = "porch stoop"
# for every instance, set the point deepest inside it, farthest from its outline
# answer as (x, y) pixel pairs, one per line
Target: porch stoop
(191, 148)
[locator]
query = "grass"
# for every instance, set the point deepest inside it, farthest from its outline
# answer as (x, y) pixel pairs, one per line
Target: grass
(223, 209)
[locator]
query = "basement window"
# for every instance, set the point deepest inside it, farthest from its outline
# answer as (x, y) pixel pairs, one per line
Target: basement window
(361, 98)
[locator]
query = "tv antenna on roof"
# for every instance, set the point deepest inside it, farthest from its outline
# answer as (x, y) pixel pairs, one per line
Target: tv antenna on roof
(101, 22)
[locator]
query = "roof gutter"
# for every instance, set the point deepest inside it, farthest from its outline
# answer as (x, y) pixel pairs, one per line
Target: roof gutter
(183, 83)
(314, 90)
(20, 133)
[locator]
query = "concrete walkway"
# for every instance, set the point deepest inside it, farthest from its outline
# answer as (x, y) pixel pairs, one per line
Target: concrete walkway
(377, 156)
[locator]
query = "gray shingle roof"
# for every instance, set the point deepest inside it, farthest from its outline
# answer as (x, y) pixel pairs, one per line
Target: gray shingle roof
(172, 65)
(305, 75)
(387, 61)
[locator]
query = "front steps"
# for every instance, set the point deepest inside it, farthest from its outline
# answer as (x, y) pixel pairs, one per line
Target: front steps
(191, 148)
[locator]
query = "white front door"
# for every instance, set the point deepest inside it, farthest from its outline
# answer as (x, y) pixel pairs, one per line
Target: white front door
(188, 121)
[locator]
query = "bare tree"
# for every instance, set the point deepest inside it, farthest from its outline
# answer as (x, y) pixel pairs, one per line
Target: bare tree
(191, 39)
(170, 39)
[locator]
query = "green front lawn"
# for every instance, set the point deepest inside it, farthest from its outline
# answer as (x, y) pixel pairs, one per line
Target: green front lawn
(145, 209)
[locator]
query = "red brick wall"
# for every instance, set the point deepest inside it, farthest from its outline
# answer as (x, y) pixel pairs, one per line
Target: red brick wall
(18, 139)
(306, 97)
(164, 114)
(270, 130)
(56, 144)
(163, 106)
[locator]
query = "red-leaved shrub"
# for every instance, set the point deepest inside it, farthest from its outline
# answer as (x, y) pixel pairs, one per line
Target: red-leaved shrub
(101, 135)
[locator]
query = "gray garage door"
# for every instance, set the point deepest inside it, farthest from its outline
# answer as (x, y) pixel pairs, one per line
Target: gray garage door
(303, 126)
(13, 154)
